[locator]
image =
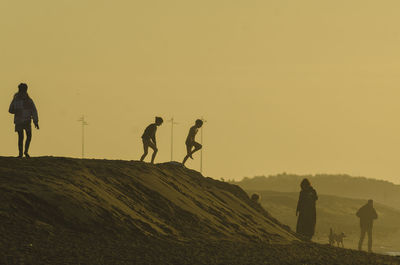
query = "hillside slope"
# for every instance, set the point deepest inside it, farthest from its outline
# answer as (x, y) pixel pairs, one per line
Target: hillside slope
(164, 200)
(72, 211)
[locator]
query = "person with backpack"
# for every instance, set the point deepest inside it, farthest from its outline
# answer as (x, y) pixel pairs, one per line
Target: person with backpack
(24, 110)
(149, 139)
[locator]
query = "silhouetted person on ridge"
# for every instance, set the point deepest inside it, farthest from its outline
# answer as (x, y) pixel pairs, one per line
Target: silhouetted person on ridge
(24, 111)
(190, 140)
(367, 215)
(149, 139)
(306, 210)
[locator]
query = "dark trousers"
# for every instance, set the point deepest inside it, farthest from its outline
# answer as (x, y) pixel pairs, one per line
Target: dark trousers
(21, 140)
(364, 230)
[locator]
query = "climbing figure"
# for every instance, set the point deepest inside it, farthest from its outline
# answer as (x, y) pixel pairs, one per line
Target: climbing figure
(367, 215)
(24, 111)
(190, 140)
(306, 210)
(149, 139)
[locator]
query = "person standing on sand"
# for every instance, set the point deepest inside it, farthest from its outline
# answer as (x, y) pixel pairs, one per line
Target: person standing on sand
(367, 215)
(149, 139)
(24, 111)
(190, 140)
(306, 210)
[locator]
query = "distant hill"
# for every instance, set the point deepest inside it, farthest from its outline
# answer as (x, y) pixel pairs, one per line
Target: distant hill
(338, 185)
(73, 211)
(337, 213)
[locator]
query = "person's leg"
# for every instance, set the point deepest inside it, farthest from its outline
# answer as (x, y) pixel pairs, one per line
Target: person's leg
(188, 152)
(28, 141)
(155, 150)
(20, 142)
(146, 149)
(197, 147)
(370, 239)
(362, 235)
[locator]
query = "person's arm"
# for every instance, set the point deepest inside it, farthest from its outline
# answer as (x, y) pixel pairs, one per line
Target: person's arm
(358, 212)
(35, 115)
(192, 133)
(375, 214)
(11, 109)
(153, 134)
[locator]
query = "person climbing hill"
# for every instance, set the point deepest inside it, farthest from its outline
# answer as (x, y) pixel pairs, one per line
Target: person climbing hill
(190, 141)
(149, 139)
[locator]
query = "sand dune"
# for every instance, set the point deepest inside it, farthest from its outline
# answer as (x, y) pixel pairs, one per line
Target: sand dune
(155, 200)
(71, 211)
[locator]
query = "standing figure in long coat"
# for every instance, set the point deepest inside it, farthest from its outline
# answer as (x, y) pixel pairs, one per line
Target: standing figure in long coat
(306, 210)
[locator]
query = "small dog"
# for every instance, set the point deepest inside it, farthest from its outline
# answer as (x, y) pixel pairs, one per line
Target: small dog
(338, 238)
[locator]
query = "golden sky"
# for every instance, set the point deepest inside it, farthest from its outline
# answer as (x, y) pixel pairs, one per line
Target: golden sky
(297, 86)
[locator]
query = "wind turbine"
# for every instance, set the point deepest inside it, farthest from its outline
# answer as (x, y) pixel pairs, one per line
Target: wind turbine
(84, 123)
(201, 141)
(172, 136)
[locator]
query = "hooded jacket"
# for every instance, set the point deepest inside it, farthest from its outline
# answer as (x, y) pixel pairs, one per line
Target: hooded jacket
(23, 109)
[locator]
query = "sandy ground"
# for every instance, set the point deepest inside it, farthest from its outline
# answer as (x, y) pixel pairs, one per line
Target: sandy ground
(71, 211)
(34, 246)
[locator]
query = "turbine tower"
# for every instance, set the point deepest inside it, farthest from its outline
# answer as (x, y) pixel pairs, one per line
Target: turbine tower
(201, 141)
(83, 123)
(172, 121)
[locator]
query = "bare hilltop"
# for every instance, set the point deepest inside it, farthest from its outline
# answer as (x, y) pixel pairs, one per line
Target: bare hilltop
(73, 211)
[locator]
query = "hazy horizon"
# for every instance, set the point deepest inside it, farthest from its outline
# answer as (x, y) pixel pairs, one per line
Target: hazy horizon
(285, 86)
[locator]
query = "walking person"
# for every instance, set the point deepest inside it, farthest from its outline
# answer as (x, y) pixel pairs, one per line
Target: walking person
(149, 139)
(190, 141)
(367, 215)
(306, 210)
(24, 110)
